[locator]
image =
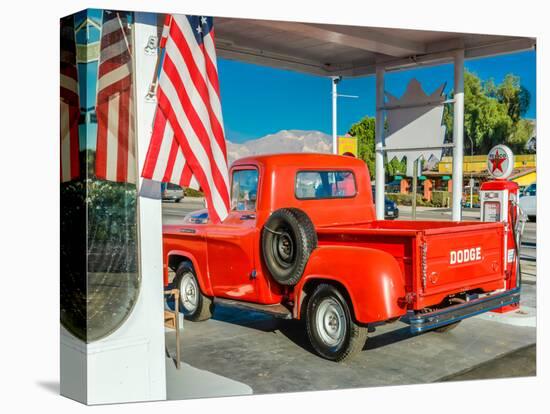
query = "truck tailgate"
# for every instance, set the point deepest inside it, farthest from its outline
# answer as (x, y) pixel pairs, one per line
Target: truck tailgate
(460, 259)
(437, 258)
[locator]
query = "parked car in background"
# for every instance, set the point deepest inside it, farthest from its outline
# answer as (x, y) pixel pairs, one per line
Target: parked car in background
(391, 211)
(528, 202)
(172, 192)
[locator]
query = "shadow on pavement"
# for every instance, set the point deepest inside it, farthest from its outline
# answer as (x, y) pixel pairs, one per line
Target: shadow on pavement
(51, 386)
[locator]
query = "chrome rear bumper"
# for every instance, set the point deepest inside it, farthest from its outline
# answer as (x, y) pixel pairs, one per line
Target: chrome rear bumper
(420, 322)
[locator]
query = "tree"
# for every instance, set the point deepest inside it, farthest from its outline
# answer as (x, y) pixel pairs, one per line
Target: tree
(492, 114)
(514, 96)
(364, 131)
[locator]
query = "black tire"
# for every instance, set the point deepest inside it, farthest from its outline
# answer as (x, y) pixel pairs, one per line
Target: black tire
(204, 307)
(446, 328)
(353, 337)
(288, 238)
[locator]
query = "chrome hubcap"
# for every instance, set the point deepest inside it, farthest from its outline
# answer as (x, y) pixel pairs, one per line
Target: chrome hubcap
(188, 292)
(331, 322)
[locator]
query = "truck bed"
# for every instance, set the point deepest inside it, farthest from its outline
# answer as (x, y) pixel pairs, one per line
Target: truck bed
(434, 256)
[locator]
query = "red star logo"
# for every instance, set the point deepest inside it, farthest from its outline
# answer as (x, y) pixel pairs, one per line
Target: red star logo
(496, 162)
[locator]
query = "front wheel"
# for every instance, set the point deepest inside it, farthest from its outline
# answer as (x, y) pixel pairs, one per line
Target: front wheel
(330, 326)
(193, 304)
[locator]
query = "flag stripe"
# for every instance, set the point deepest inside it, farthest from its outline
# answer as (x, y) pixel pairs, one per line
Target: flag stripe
(123, 130)
(112, 139)
(164, 153)
(152, 157)
(174, 149)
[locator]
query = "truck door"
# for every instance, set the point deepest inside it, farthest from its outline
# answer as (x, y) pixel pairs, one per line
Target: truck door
(230, 244)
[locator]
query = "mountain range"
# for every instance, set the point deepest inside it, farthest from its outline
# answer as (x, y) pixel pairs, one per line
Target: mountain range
(283, 141)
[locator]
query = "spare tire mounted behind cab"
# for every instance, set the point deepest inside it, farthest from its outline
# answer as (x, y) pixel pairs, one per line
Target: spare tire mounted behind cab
(288, 238)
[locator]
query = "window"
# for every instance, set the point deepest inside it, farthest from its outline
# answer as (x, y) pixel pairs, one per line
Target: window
(171, 186)
(325, 184)
(244, 190)
(531, 190)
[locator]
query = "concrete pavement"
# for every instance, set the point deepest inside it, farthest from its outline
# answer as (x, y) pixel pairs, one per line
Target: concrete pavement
(269, 355)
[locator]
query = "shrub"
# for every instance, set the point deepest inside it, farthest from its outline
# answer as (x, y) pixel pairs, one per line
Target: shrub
(406, 200)
(441, 198)
(189, 192)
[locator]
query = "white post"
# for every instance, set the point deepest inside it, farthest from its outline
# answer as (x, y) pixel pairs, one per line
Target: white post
(380, 173)
(458, 135)
(129, 365)
(471, 192)
(335, 80)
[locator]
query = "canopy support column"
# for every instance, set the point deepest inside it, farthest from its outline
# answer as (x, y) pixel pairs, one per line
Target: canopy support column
(335, 80)
(380, 173)
(458, 134)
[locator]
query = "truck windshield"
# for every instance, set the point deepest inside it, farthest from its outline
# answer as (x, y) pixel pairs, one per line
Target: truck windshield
(325, 184)
(244, 189)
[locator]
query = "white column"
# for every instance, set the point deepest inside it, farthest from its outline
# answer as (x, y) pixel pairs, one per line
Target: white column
(335, 80)
(129, 365)
(458, 135)
(380, 173)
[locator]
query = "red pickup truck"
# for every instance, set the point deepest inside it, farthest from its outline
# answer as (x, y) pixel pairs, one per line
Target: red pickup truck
(302, 241)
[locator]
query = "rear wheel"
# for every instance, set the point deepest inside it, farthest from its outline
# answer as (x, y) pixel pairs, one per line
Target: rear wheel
(331, 329)
(193, 304)
(451, 326)
(446, 328)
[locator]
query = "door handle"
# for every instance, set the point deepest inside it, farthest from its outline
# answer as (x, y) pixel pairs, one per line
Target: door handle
(187, 230)
(248, 216)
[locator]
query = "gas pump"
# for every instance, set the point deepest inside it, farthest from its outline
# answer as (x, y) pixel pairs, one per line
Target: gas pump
(499, 203)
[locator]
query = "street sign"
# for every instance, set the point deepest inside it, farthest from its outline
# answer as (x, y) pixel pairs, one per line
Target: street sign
(347, 146)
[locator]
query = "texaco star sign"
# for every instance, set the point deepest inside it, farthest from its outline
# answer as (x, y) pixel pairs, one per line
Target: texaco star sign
(500, 161)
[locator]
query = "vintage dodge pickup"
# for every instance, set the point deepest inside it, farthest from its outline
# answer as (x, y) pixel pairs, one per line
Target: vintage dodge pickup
(302, 241)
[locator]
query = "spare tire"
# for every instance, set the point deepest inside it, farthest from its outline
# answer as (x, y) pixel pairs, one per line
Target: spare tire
(288, 238)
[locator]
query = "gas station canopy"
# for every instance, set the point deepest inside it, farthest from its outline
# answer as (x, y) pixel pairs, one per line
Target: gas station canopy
(336, 51)
(350, 51)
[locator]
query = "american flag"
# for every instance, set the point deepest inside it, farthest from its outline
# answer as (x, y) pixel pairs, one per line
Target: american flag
(70, 107)
(188, 142)
(115, 151)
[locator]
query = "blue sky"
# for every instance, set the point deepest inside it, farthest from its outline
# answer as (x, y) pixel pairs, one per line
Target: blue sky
(260, 100)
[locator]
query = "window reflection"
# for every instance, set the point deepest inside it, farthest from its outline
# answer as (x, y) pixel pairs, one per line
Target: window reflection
(244, 190)
(100, 277)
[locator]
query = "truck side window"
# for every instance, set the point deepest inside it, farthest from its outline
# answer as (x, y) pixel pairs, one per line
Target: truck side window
(244, 190)
(325, 184)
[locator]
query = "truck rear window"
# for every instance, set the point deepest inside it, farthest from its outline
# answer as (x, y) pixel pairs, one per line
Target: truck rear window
(324, 184)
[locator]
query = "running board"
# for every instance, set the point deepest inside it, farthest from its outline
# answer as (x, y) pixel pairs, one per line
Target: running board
(421, 322)
(277, 310)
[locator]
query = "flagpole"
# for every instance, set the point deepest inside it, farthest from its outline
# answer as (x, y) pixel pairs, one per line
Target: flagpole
(136, 146)
(154, 82)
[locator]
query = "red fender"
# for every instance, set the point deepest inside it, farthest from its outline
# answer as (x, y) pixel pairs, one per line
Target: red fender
(203, 280)
(372, 278)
